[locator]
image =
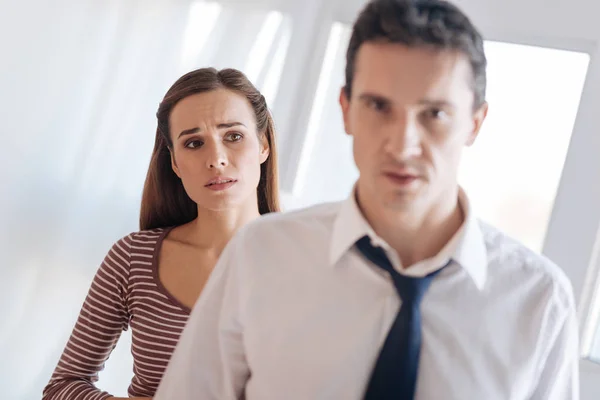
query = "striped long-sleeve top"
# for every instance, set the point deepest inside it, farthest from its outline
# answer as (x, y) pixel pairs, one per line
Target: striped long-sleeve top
(126, 292)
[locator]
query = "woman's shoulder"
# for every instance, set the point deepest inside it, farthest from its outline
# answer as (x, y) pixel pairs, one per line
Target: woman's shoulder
(138, 248)
(144, 240)
(138, 243)
(148, 235)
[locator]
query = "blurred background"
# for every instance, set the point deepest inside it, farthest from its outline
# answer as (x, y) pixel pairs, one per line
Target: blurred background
(80, 82)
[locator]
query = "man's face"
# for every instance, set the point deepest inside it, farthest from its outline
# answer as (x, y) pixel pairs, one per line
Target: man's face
(410, 114)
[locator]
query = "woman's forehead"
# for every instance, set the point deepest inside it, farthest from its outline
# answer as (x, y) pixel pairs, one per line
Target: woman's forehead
(212, 108)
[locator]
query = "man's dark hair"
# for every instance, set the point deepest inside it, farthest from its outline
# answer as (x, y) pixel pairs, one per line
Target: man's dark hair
(437, 24)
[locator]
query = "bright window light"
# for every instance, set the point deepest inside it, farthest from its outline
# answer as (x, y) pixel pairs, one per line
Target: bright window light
(201, 21)
(512, 171)
(273, 75)
(258, 54)
(326, 78)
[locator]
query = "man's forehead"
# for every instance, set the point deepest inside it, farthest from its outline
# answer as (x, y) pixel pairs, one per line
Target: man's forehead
(391, 67)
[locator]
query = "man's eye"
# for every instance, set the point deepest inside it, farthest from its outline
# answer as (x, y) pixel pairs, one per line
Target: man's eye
(437, 113)
(377, 105)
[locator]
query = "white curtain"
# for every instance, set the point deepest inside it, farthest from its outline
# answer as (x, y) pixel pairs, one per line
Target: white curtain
(80, 82)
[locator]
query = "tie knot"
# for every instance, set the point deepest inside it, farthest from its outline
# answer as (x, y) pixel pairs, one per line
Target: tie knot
(410, 289)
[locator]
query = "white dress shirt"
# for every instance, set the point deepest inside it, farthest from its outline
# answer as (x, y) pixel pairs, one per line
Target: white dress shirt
(293, 311)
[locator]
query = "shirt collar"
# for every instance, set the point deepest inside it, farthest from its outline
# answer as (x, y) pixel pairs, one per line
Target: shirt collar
(467, 247)
(349, 226)
(471, 251)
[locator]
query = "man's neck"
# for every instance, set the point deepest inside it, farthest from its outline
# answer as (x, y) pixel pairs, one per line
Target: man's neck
(416, 234)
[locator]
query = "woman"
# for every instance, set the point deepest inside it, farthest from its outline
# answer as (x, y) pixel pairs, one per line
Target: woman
(213, 169)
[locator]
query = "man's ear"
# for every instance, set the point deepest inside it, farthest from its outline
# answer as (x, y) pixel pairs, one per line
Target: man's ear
(478, 117)
(345, 104)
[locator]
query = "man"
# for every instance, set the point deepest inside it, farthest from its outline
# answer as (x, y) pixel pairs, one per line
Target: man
(397, 292)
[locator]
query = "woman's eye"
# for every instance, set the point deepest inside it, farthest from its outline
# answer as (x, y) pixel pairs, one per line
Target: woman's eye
(193, 144)
(234, 137)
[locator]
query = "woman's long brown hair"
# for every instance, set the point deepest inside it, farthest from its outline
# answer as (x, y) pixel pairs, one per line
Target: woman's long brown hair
(164, 200)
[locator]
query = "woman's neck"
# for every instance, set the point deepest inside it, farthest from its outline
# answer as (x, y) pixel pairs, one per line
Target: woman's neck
(212, 229)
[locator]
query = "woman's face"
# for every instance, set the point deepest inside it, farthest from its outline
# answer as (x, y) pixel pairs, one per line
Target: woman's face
(217, 151)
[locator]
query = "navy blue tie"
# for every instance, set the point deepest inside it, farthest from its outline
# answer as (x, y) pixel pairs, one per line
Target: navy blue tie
(395, 373)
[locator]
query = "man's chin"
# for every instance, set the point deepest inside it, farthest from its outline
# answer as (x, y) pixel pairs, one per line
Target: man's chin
(401, 199)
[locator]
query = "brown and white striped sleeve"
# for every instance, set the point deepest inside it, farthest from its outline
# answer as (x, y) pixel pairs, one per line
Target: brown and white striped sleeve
(103, 317)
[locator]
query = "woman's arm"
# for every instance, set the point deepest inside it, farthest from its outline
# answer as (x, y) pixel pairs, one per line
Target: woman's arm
(103, 317)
